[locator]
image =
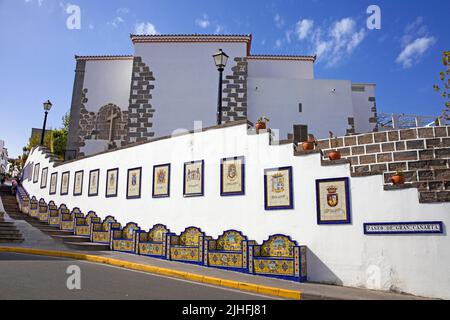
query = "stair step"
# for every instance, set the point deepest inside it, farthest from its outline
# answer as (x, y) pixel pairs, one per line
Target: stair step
(56, 232)
(87, 246)
(12, 240)
(75, 239)
(11, 236)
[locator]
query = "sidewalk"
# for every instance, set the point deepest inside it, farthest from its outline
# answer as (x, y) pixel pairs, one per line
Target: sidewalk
(34, 239)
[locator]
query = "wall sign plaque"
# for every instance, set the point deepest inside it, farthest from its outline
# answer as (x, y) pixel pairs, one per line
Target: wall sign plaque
(134, 183)
(36, 173)
(193, 185)
(93, 183)
(112, 177)
(44, 178)
(53, 182)
(65, 183)
(161, 181)
(386, 228)
(333, 201)
(278, 189)
(232, 177)
(78, 183)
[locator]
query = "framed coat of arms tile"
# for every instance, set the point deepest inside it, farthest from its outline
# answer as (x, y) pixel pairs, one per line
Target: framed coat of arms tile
(78, 183)
(193, 184)
(333, 201)
(44, 178)
(232, 176)
(36, 173)
(134, 183)
(161, 181)
(53, 182)
(65, 177)
(94, 176)
(278, 189)
(112, 179)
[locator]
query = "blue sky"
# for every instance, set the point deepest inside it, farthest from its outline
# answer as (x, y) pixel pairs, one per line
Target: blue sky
(37, 49)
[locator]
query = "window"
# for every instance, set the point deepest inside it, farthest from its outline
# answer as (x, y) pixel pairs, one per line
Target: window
(356, 88)
(300, 107)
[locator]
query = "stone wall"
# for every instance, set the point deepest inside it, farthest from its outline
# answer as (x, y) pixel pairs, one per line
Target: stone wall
(422, 154)
(96, 126)
(234, 99)
(140, 120)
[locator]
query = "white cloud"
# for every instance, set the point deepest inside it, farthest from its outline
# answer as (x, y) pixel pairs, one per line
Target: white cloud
(116, 22)
(412, 53)
(146, 28)
(279, 21)
(219, 29)
(415, 41)
(203, 22)
(39, 2)
(278, 43)
(303, 28)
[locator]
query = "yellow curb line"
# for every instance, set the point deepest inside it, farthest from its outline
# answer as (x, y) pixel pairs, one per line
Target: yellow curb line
(272, 291)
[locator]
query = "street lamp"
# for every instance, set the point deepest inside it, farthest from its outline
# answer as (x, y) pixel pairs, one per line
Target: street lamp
(220, 59)
(47, 107)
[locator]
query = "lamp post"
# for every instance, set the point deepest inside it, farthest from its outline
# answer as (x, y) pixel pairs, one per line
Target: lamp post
(220, 59)
(47, 107)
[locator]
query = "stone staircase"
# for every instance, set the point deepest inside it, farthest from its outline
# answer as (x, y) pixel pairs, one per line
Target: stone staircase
(8, 231)
(421, 154)
(63, 236)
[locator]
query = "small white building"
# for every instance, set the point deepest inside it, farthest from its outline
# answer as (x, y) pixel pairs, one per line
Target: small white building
(171, 82)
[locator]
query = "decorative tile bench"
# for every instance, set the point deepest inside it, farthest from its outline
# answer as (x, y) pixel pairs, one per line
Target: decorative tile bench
(43, 211)
(229, 251)
(101, 231)
(23, 200)
(83, 224)
(68, 220)
(152, 243)
(54, 217)
(278, 257)
(124, 240)
(34, 208)
(187, 247)
(52, 209)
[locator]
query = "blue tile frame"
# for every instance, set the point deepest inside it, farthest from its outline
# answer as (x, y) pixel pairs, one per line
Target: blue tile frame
(202, 193)
(117, 183)
(90, 180)
(75, 181)
(168, 181)
(291, 190)
(140, 183)
(230, 194)
(440, 223)
(348, 220)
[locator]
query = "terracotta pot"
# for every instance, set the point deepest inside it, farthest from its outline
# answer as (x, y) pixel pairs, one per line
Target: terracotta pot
(398, 179)
(334, 155)
(308, 146)
(260, 126)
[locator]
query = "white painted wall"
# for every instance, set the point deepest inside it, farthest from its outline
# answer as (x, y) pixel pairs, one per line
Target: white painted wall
(108, 81)
(186, 85)
(339, 254)
(323, 110)
(285, 69)
(362, 108)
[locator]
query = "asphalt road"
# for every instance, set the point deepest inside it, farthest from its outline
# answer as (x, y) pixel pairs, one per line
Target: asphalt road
(35, 277)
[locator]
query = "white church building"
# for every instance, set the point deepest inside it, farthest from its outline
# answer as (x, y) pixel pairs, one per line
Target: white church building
(171, 82)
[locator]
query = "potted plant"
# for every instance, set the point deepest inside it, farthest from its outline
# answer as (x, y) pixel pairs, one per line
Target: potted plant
(310, 143)
(398, 178)
(261, 124)
(334, 155)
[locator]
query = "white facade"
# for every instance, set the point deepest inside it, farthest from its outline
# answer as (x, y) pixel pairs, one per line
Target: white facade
(185, 88)
(337, 254)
